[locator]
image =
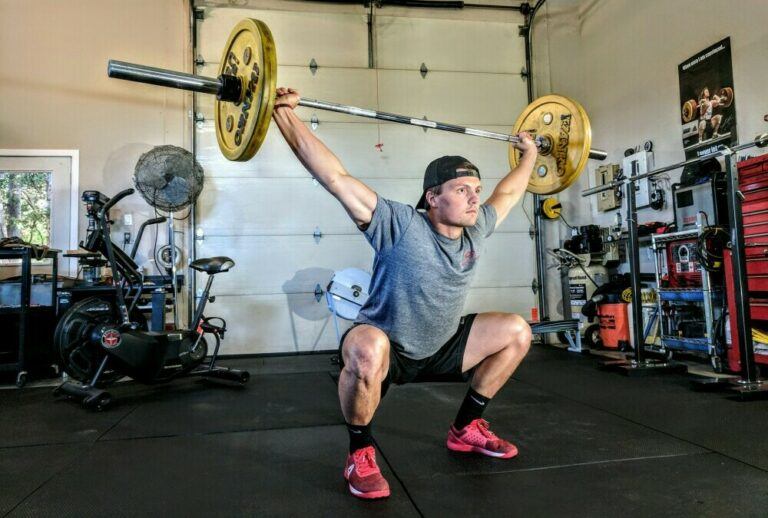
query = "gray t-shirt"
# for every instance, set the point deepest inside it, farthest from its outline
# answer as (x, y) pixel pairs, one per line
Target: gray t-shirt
(420, 278)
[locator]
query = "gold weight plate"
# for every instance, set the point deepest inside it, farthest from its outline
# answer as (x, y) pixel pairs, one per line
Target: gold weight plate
(689, 110)
(726, 96)
(250, 55)
(565, 123)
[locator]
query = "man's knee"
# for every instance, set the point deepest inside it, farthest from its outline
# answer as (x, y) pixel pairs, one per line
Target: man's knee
(366, 353)
(519, 333)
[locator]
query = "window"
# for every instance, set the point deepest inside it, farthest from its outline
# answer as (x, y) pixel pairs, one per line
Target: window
(25, 206)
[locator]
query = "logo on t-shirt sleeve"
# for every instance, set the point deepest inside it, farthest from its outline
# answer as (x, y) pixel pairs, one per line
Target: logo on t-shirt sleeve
(469, 259)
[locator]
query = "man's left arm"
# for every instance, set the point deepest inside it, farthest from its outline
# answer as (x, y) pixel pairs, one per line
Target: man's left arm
(512, 187)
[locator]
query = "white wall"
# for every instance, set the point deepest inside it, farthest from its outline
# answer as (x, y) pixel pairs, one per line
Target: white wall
(619, 58)
(55, 93)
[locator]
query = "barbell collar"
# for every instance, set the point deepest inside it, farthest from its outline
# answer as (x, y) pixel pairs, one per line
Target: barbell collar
(230, 89)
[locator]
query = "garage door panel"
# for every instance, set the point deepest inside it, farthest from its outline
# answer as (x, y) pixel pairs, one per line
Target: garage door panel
(283, 323)
(352, 86)
(453, 96)
(507, 260)
(276, 160)
(476, 46)
(254, 206)
(298, 323)
(283, 264)
(294, 264)
(287, 27)
(411, 148)
(510, 300)
(405, 152)
(279, 207)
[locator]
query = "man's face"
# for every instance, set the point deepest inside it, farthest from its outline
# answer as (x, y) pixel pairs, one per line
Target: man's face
(458, 202)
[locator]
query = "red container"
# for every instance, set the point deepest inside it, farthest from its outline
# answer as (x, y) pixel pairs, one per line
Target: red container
(614, 324)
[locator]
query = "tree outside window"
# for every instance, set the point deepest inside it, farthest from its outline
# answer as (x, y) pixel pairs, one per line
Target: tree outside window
(25, 206)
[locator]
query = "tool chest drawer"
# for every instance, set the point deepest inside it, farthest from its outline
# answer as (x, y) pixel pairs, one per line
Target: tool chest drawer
(753, 206)
(753, 170)
(757, 266)
(757, 282)
(757, 229)
(756, 195)
(756, 217)
(756, 247)
(758, 308)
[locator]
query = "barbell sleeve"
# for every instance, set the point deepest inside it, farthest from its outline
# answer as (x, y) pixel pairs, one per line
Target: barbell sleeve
(215, 86)
(162, 77)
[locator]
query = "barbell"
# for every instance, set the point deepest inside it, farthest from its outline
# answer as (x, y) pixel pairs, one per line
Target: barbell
(245, 93)
(691, 106)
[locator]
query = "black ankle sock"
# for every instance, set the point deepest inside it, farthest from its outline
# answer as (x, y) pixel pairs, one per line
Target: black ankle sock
(359, 436)
(472, 408)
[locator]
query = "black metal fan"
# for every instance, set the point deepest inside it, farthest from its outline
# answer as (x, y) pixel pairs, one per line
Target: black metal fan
(168, 178)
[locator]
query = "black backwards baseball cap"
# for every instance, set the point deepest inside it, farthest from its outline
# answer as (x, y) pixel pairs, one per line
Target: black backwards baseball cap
(444, 169)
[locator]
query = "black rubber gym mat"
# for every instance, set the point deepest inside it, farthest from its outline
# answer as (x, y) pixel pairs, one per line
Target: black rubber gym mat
(549, 431)
(315, 362)
(688, 486)
(23, 470)
(265, 402)
(295, 472)
(664, 402)
(34, 417)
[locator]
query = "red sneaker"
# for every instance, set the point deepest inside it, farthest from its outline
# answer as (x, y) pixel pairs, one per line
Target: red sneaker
(476, 437)
(364, 476)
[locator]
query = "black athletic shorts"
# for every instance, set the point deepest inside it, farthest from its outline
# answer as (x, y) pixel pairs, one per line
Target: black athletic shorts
(444, 365)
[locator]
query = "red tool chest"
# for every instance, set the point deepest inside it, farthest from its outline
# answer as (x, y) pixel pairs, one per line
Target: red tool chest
(753, 183)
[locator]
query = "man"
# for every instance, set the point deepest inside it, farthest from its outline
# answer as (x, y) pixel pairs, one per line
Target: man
(706, 117)
(411, 328)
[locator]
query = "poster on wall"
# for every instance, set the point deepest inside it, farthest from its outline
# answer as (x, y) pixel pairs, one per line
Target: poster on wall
(708, 110)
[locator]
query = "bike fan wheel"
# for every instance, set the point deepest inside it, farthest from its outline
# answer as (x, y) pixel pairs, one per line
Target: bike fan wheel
(79, 351)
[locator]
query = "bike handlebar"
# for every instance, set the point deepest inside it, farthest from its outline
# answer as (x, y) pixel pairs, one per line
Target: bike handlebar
(113, 201)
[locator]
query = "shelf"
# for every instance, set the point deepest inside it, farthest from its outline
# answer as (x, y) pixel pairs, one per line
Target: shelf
(684, 343)
(683, 290)
(15, 310)
(674, 236)
(689, 294)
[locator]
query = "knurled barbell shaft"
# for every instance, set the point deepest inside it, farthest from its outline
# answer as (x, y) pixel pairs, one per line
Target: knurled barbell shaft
(208, 85)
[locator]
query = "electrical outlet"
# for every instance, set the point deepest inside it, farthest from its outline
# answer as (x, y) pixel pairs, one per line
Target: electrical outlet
(126, 238)
(128, 219)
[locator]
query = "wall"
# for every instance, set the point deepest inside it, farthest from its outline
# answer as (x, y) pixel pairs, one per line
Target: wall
(56, 94)
(619, 58)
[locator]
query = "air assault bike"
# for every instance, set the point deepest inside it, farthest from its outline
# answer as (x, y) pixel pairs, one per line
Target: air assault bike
(104, 338)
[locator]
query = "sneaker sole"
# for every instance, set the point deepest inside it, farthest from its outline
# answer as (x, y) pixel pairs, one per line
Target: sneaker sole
(372, 495)
(466, 448)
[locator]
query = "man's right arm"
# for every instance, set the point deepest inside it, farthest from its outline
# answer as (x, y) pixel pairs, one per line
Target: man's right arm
(357, 198)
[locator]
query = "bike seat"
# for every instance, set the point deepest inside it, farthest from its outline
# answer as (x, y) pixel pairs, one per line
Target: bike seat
(212, 265)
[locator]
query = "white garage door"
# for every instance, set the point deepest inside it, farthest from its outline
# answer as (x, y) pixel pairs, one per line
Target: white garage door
(264, 213)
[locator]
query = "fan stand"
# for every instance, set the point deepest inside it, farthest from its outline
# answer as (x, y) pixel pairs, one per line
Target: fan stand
(332, 307)
(172, 245)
